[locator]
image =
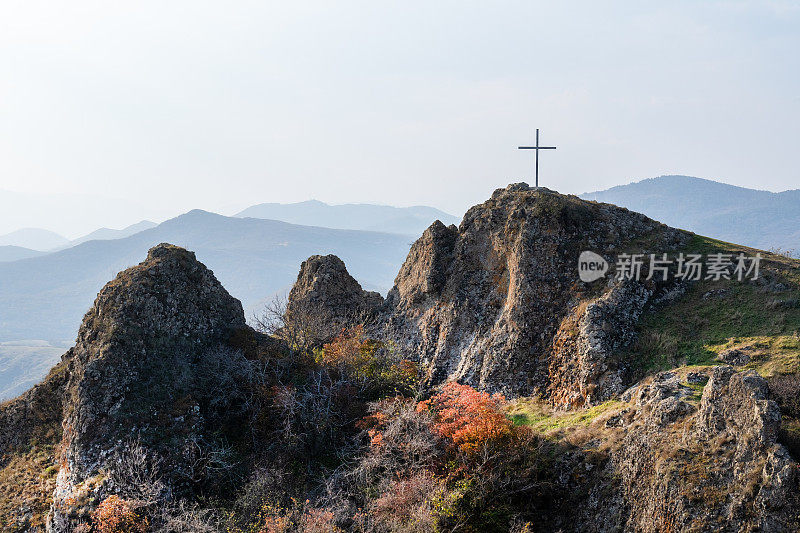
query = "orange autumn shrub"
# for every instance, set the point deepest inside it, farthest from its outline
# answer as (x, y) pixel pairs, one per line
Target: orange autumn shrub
(115, 515)
(466, 417)
(369, 361)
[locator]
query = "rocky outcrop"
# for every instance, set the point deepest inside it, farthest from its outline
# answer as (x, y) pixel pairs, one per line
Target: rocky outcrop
(583, 365)
(684, 463)
(136, 374)
(497, 303)
(327, 298)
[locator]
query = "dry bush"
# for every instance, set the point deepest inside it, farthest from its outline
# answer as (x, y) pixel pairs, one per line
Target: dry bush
(407, 505)
(116, 515)
(186, 518)
(313, 417)
(785, 389)
(402, 443)
(301, 326)
(136, 475)
(370, 365)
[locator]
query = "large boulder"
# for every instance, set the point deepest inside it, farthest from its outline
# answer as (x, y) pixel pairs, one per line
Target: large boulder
(137, 374)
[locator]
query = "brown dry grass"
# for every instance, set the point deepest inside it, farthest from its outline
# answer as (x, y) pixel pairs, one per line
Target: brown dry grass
(26, 487)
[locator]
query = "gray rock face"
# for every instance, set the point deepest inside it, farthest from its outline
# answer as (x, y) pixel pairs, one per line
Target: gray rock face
(583, 369)
(491, 302)
(131, 372)
(326, 292)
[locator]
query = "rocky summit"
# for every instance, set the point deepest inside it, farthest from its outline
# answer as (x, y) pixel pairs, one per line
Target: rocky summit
(497, 304)
(328, 294)
(491, 390)
(132, 373)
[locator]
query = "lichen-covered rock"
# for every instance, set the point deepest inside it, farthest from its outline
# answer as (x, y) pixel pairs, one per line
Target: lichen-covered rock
(689, 464)
(132, 374)
(497, 303)
(583, 368)
(328, 295)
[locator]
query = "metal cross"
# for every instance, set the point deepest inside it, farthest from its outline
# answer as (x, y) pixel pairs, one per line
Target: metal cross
(537, 148)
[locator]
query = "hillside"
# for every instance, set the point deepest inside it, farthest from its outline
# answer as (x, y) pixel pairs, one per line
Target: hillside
(760, 219)
(490, 390)
(404, 220)
(104, 234)
(24, 363)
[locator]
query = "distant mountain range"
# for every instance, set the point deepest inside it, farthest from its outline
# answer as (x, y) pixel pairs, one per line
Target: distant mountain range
(34, 239)
(760, 219)
(23, 363)
(30, 242)
(106, 234)
(45, 297)
(15, 253)
(369, 217)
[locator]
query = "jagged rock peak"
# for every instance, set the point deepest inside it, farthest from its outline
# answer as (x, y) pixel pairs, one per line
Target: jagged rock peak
(483, 303)
(133, 370)
(327, 291)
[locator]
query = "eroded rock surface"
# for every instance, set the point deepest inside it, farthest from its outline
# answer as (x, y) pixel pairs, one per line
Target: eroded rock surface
(133, 375)
(685, 463)
(327, 298)
(497, 303)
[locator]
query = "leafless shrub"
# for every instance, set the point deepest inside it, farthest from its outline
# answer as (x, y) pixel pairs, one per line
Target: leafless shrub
(136, 475)
(184, 517)
(407, 506)
(301, 326)
(312, 416)
(406, 449)
(786, 391)
(207, 459)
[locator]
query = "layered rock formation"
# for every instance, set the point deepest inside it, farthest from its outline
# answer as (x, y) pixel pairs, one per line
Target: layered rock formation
(133, 375)
(484, 304)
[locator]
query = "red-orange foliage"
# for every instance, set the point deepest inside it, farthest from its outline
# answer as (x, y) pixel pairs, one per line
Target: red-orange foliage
(467, 417)
(347, 347)
(368, 359)
(115, 515)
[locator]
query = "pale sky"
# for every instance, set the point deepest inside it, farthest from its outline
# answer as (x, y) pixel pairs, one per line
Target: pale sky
(219, 105)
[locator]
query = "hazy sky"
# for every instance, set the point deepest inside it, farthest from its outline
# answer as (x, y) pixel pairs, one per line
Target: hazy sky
(219, 105)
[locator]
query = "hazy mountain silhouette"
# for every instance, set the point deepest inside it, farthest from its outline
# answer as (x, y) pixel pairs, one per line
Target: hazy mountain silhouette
(45, 297)
(405, 220)
(13, 253)
(761, 219)
(23, 363)
(34, 239)
(105, 234)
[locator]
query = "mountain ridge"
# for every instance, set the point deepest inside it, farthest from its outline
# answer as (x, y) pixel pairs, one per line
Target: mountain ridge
(359, 216)
(761, 219)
